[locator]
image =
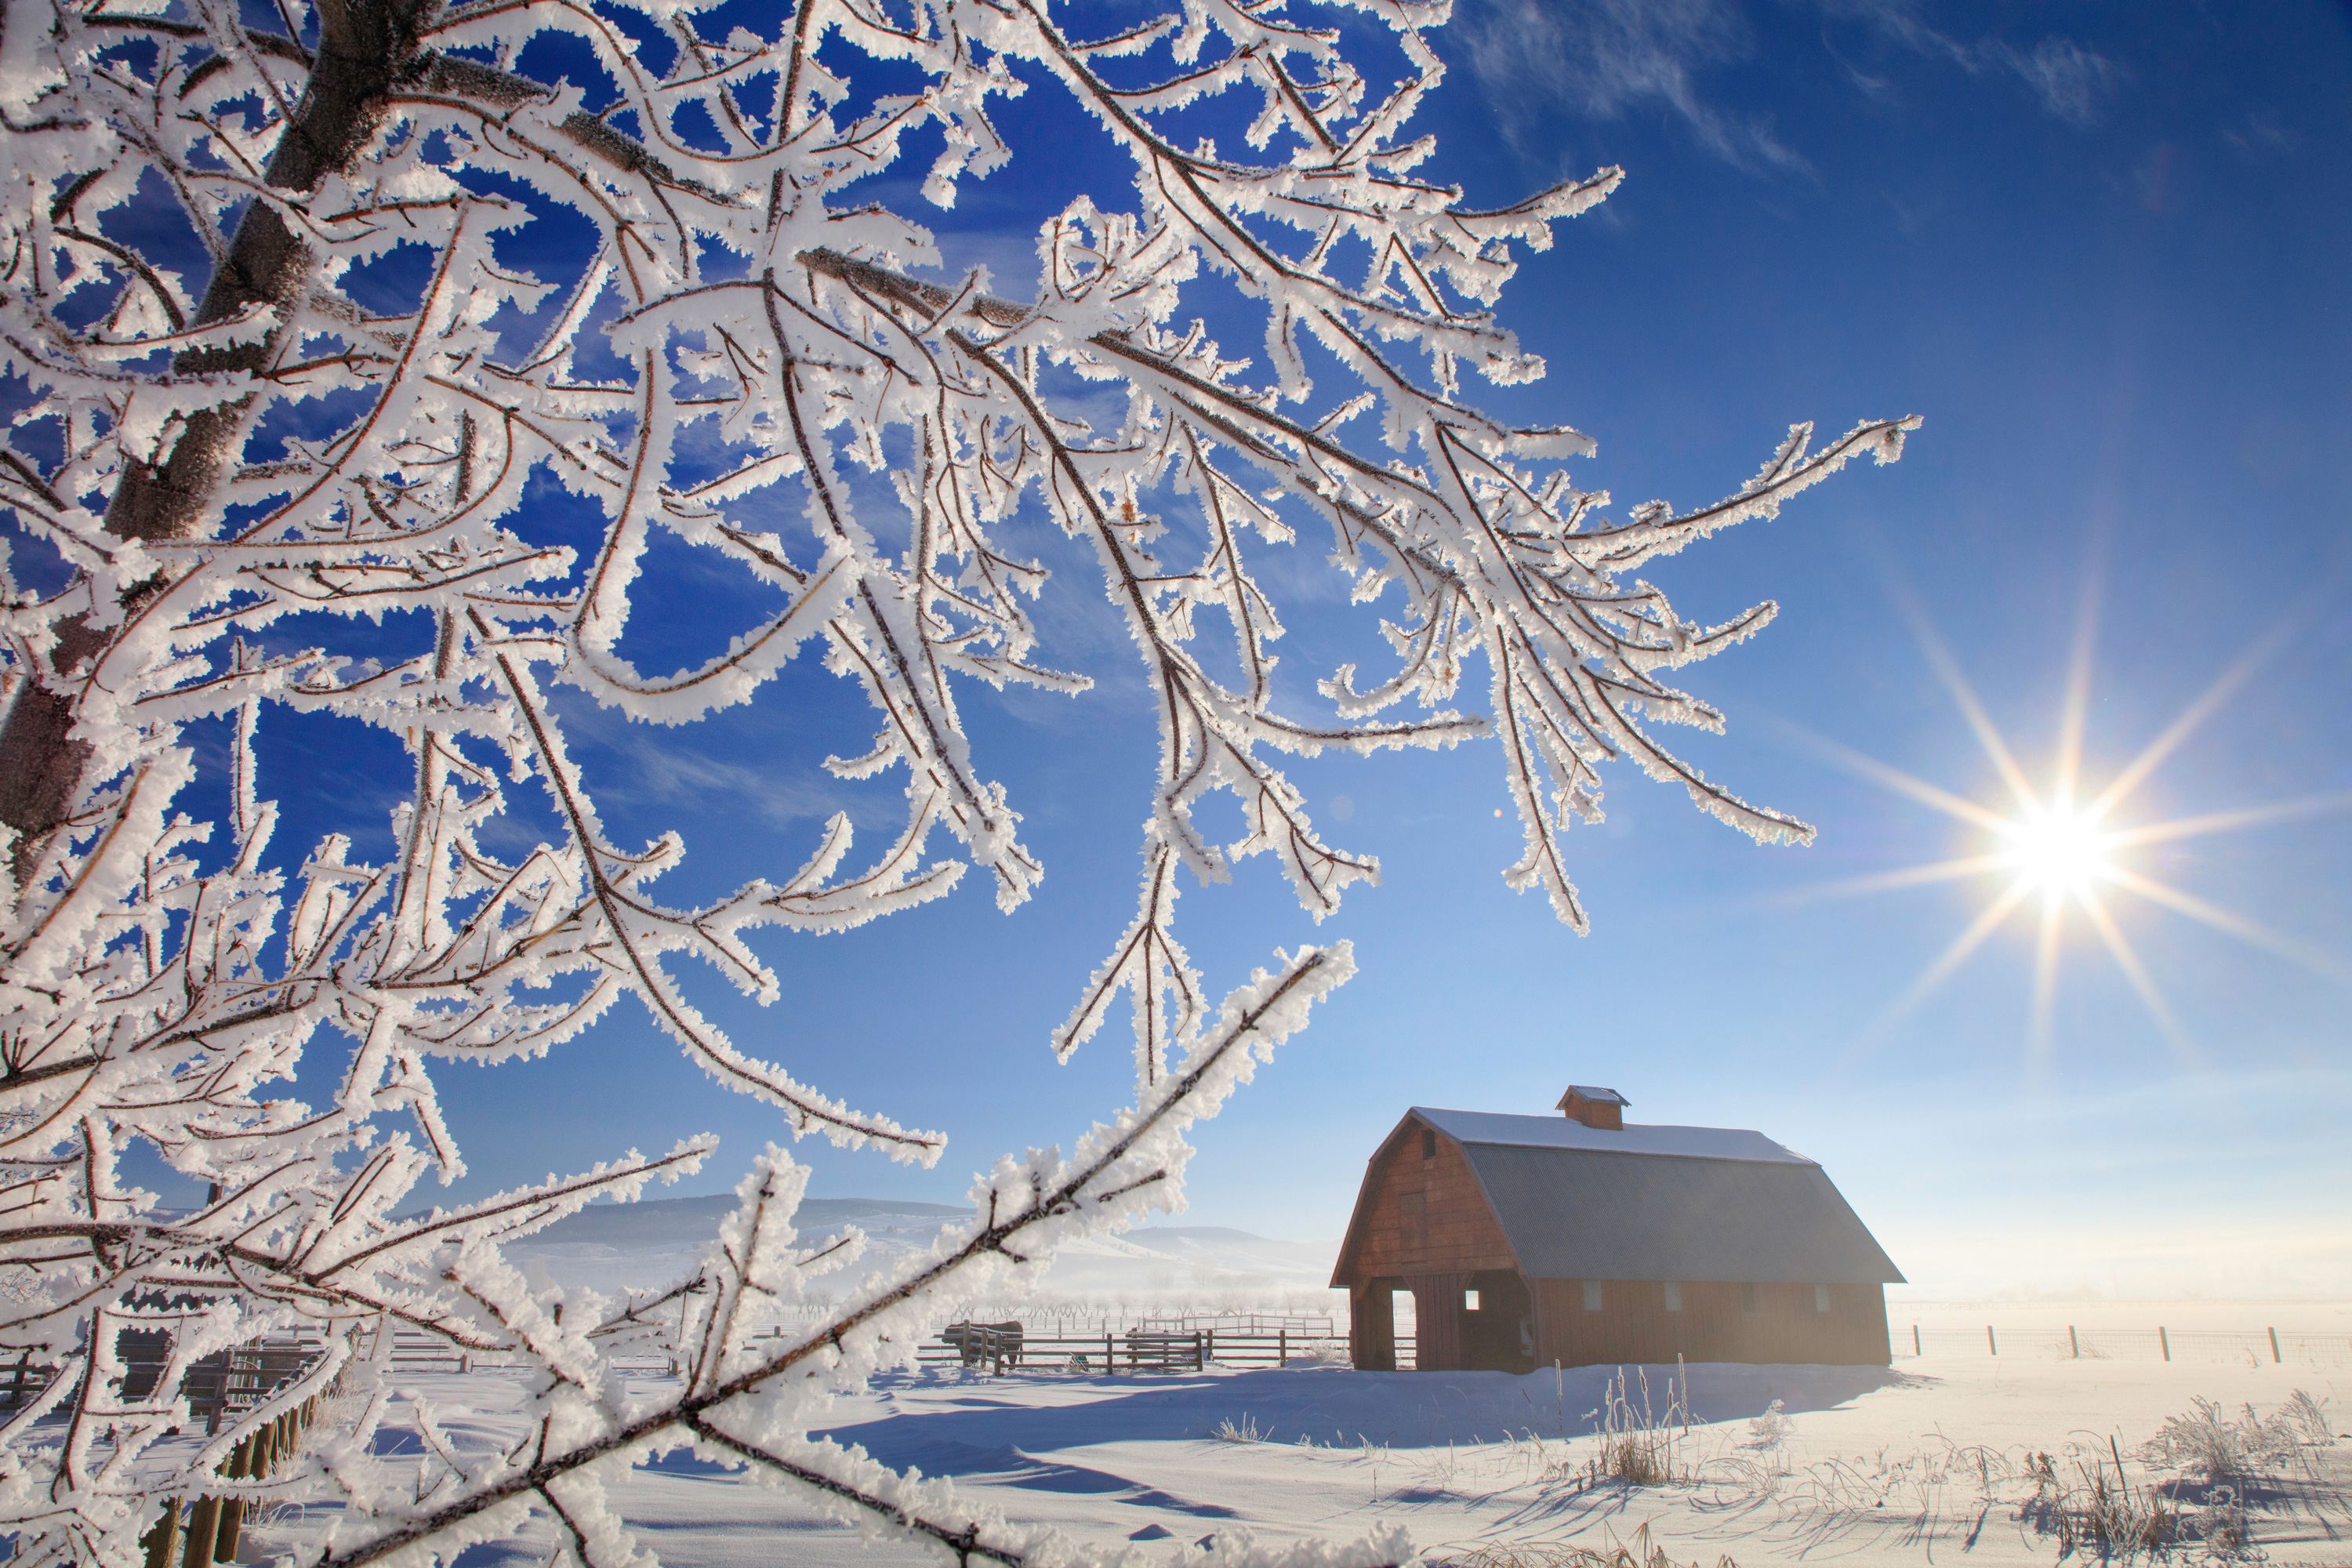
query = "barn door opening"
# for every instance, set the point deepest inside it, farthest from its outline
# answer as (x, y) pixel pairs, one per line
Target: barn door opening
(1498, 1322)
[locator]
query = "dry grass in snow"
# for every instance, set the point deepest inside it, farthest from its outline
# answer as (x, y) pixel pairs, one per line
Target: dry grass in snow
(1640, 1552)
(1963, 1460)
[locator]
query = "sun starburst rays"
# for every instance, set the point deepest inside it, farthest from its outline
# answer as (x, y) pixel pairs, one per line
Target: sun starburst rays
(1946, 963)
(2066, 851)
(2142, 983)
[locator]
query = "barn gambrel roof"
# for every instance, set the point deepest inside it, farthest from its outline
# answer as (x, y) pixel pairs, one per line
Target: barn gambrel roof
(1488, 1127)
(1659, 1203)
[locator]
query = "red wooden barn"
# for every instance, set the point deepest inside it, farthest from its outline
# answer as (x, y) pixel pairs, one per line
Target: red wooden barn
(1582, 1239)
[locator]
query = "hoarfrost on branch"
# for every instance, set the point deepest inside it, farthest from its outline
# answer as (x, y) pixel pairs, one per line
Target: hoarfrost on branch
(250, 446)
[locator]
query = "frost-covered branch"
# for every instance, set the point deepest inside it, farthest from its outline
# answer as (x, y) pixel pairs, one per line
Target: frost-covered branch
(321, 411)
(1024, 1210)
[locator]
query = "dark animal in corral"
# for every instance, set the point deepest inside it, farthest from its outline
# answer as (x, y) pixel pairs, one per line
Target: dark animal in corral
(995, 1345)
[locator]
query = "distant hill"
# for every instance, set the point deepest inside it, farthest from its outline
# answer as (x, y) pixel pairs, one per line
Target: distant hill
(613, 1247)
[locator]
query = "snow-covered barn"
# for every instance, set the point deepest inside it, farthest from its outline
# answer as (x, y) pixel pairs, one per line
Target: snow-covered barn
(1582, 1239)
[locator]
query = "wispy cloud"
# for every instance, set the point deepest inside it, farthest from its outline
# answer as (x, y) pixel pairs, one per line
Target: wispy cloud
(2073, 82)
(1609, 58)
(2070, 81)
(657, 768)
(2262, 135)
(1606, 59)
(633, 767)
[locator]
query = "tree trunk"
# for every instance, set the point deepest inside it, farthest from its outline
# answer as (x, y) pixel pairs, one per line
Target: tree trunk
(364, 46)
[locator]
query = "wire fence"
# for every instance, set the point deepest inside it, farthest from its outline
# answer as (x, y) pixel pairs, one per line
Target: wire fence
(2262, 1346)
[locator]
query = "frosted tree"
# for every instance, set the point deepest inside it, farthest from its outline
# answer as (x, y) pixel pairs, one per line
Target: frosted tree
(287, 347)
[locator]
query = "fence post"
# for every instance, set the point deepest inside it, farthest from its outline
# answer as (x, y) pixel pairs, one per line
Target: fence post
(2274, 1356)
(244, 1461)
(203, 1524)
(1282, 1346)
(1110, 1351)
(1915, 1339)
(2072, 1343)
(1208, 1347)
(2165, 1340)
(165, 1536)
(1990, 1343)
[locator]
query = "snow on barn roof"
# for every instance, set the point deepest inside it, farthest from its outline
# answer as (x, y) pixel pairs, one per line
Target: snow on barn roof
(1661, 1202)
(1634, 1138)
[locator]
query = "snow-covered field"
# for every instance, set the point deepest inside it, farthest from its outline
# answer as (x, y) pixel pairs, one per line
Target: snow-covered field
(1931, 1461)
(1925, 1463)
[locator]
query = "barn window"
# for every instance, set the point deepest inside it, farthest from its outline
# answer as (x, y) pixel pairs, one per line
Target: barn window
(1428, 1144)
(1748, 1298)
(1821, 1298)
(1674, 1295)
(1592, 1295)
(1469, 1300)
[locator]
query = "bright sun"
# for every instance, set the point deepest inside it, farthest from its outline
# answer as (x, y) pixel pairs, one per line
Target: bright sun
(2056, 841)
(2059, 849)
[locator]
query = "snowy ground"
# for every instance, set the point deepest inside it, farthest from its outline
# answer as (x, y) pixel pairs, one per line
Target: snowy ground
(1917, 1465)
(1922, 1464)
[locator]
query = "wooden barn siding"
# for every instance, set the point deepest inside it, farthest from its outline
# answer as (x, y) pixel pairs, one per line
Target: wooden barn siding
(1634, 1326)
(1372, 1328)
(1455, 1233)
(1438, 1322)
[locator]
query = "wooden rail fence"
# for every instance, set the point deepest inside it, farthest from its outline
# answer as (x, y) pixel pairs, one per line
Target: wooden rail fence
(212, 1526)
(1002, 1348)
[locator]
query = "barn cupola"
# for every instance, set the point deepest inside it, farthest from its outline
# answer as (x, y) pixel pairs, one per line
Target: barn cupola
(1594, 1106)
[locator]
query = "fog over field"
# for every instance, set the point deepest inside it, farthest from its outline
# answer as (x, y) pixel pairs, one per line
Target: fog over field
(613, 1248)
(616, 1248)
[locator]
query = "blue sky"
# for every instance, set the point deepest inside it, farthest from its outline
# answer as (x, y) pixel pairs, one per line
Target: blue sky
(2102, 249)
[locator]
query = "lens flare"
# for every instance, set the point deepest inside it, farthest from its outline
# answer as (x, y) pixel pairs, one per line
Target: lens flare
(2058, 851)
(2076, 857)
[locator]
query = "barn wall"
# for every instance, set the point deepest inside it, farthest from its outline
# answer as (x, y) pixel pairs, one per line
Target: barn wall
(1438, 1342)
(1861, 1310)
(1424, 1217)
(1426, 1228)
(1634, 1325)
(1372, 1327)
